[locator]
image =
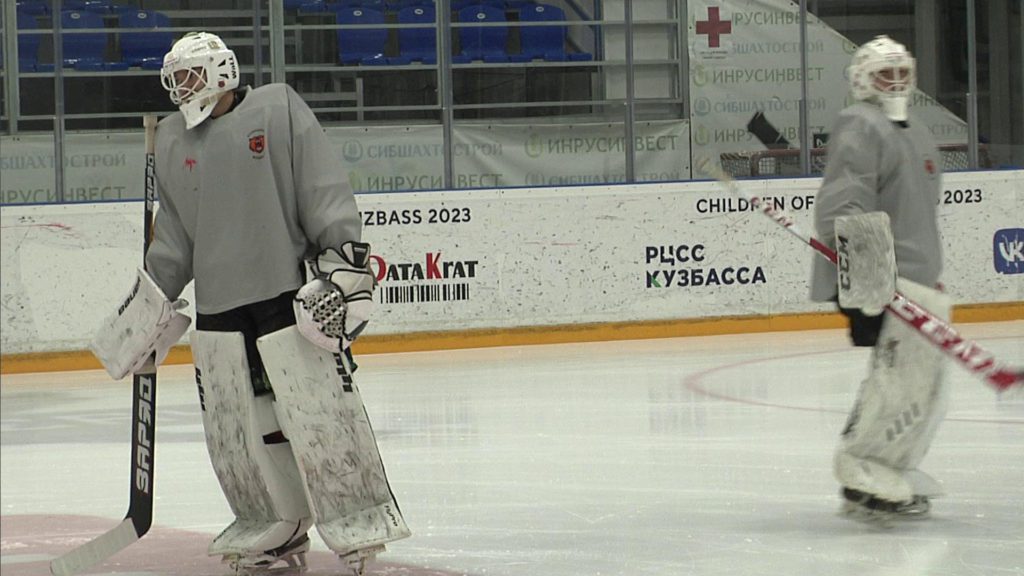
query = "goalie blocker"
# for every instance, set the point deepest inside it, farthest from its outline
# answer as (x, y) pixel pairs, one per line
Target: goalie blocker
(866, 262)
(145, 323)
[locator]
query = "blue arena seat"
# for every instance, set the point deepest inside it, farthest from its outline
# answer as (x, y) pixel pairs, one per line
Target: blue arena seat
(28, 44)
(33, 7)
(485, 43)
(86, 50)
(361, 45)
(98, 6)
(377, 5)
(313, 7)
(319, 6)
(546, 41)
(458, 5)
(417, 44)
(145, 49)
(399, 5)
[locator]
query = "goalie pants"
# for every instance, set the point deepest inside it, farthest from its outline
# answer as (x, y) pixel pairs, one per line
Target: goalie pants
(253, 321)
(898, 410)
(864, 329)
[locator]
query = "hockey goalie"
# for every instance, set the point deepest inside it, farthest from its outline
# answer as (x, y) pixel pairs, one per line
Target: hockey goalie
(255, 209)
(877, 208)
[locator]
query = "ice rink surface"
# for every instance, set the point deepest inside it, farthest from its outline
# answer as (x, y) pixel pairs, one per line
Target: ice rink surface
(689, 456)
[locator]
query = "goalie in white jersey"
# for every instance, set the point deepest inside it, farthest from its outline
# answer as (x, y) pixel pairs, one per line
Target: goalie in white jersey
(250, 190)
(884, 165)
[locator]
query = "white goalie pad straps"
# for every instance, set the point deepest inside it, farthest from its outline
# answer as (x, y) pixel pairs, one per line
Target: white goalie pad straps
(323, 415)
(899, 407)
(866, 262)
(250, 456)
(146, 322)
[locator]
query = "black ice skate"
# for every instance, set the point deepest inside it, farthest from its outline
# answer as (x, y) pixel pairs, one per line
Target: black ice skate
(356, 561)
(289, 558)
(865, 507)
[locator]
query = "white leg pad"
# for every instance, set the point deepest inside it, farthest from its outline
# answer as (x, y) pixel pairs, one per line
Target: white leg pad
(322, 413)
(252, 461)
(872, 477)
(899, 408)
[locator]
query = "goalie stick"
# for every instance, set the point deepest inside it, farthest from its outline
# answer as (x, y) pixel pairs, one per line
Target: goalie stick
(140, 505)
(940, 333)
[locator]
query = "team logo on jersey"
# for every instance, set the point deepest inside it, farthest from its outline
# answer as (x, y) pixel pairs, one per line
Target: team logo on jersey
(257, 143)
(929, 166)
(190, 163)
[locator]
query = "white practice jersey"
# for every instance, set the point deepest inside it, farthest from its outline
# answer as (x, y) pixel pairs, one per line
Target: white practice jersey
(244, 199)
(877, 165)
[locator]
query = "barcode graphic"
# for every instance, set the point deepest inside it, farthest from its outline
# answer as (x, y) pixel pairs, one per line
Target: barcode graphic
(431, 293)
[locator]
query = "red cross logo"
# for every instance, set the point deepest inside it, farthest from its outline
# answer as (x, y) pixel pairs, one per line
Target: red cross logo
(714, 27)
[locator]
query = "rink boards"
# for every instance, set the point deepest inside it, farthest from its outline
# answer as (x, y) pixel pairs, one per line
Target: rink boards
(502, 259)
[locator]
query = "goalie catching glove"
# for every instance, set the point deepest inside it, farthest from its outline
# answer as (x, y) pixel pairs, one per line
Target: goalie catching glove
(332, 309)
(146, 323)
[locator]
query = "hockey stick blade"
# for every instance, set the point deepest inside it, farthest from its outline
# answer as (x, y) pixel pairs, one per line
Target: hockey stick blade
(95, 551)
(140, 507)
(940, 333)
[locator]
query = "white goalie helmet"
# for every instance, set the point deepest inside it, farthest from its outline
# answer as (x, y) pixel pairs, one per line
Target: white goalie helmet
(197, 70)
(884, 72)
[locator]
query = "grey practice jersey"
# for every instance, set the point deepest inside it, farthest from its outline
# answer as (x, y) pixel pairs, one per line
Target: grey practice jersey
(244, 198)
(876, 165)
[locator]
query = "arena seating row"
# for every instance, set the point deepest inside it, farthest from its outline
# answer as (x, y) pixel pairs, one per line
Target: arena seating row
(394, 5)
(42, 7)
(544, 41)
(88, 51)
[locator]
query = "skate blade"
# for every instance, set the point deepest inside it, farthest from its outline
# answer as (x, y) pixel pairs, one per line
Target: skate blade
(357, 561)
(880, 518)
(872, 518)
(287, 566)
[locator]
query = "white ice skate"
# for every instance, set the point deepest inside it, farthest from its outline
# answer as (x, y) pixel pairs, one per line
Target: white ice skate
(864, 507)
(288, 559)
(356, 561)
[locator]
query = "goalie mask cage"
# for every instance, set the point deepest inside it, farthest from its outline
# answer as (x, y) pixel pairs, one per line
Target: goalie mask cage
(786, 162)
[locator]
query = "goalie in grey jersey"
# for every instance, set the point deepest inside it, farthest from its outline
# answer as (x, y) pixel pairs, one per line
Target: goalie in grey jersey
(884, 167)
(250, 191)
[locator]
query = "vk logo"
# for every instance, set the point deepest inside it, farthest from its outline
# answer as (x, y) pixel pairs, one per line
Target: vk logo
(1008, 247)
